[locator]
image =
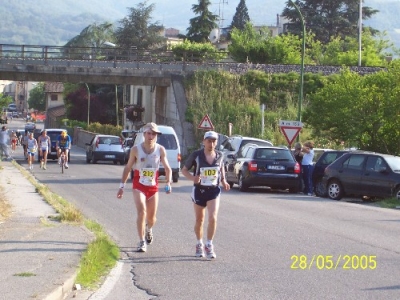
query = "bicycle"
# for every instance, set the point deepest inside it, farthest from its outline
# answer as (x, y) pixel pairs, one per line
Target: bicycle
(62, 161)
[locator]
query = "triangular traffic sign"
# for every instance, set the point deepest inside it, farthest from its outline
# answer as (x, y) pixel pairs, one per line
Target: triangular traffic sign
(206, 123)
(290, 133)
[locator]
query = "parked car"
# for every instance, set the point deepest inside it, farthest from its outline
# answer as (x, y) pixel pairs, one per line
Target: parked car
(326, 158)
(106, 148)
(30, 126)
(233, 144)
(54, 133)
(361, 173)
(170, 141)
(270, 166)
(318, 152)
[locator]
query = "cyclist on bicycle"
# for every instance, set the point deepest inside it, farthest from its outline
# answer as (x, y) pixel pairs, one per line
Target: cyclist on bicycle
(63, 145)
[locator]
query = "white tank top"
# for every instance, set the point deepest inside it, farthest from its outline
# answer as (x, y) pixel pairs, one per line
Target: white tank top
(147, 165)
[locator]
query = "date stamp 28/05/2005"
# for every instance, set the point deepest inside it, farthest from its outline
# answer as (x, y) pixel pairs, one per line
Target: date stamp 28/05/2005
(331, 262)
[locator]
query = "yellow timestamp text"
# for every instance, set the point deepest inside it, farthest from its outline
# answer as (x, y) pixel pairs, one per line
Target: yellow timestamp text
(331, 262)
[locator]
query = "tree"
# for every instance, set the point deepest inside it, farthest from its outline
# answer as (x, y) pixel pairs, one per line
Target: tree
(189, 51)
(5, 100)
(201, 26)
(327, 19)
(37, 98)
(249, 45)
(361, 110)
(93, 36)
(241, 16)
(137, 31)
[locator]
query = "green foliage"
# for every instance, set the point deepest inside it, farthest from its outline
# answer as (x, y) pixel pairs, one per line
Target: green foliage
(201, 26)
(104, 129)
(241, 16)
(37, 97)
(5, 100)
(136, 29)
(253, 46)
(326, 18)
(361, 110)
(192, 51)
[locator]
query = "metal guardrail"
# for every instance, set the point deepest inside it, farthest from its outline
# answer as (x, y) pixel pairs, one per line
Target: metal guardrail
(101, 57)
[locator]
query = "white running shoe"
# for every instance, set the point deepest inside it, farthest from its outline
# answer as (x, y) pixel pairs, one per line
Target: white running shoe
(142, 247)
(149, 236)
(66, 165)
(59, 161)
(210, 251)
(41, 165)
(199, 250)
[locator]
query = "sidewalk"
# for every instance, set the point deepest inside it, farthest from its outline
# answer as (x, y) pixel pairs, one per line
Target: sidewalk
(39, 257)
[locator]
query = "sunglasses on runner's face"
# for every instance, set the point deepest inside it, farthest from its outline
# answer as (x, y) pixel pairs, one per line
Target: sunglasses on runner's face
(151, 133)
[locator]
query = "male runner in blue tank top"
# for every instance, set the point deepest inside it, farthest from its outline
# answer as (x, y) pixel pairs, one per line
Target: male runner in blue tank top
(208, 174)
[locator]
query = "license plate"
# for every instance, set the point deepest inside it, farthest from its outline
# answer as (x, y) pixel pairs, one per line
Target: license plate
(109, 156)
(275, 167)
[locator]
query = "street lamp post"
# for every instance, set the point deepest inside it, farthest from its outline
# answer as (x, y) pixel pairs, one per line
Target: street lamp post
(88, 106)
(303, 26)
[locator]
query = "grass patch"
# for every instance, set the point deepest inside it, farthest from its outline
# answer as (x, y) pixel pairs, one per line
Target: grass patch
(389, 203)
(102, 253)
(25, 274)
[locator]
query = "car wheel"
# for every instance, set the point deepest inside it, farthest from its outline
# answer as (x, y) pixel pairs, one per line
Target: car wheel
(335, 190)
(320, 189)
(122, 162)
(293, 190)
(242, 187)
(397, 193)
(93, 161)
(230, 184)
(87, 159)
(115, 162)
(175, 177)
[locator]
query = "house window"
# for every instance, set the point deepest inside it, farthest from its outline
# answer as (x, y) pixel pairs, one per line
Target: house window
(54, 97)
(139, 100)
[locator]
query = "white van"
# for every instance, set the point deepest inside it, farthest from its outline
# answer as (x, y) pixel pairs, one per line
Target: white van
(169, 140)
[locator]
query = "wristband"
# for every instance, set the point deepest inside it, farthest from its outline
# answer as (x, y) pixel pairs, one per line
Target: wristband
(121, 185)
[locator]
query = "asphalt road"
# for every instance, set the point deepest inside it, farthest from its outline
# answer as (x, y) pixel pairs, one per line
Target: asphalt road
(269, 244)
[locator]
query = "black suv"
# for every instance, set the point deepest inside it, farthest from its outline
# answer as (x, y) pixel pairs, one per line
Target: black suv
(324, 160)
(362, 173)
(234, 143)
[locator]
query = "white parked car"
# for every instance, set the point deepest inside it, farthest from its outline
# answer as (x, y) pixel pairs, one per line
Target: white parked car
(105, 148)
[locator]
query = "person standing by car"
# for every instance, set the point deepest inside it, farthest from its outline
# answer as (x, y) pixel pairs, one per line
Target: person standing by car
(208, 174)
(298, 156)
(63, 145)
(4, 139)
(44, 144)
(307, 167)
(25, 143)
(32, 148)
(14, 140)
(145, 160)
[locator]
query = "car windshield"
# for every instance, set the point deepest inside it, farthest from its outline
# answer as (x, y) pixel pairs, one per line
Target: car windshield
(168, 141)
(394, 163)
(274, 154)
(109, 140)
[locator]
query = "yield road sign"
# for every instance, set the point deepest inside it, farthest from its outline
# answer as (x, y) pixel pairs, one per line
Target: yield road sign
(206, 123)
(290, 129)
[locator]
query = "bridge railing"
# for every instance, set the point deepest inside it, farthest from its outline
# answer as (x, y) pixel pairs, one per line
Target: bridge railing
(95, 53)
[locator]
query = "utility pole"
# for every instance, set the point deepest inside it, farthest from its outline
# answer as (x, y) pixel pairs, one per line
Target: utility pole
(360, 33)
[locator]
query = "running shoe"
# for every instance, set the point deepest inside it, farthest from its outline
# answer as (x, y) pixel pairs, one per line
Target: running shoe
(199, 250)
(41, 165)
(149, 236)
(210, 251)
(44, 167)
(59, 161)
(142, 247)
(66, 165)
